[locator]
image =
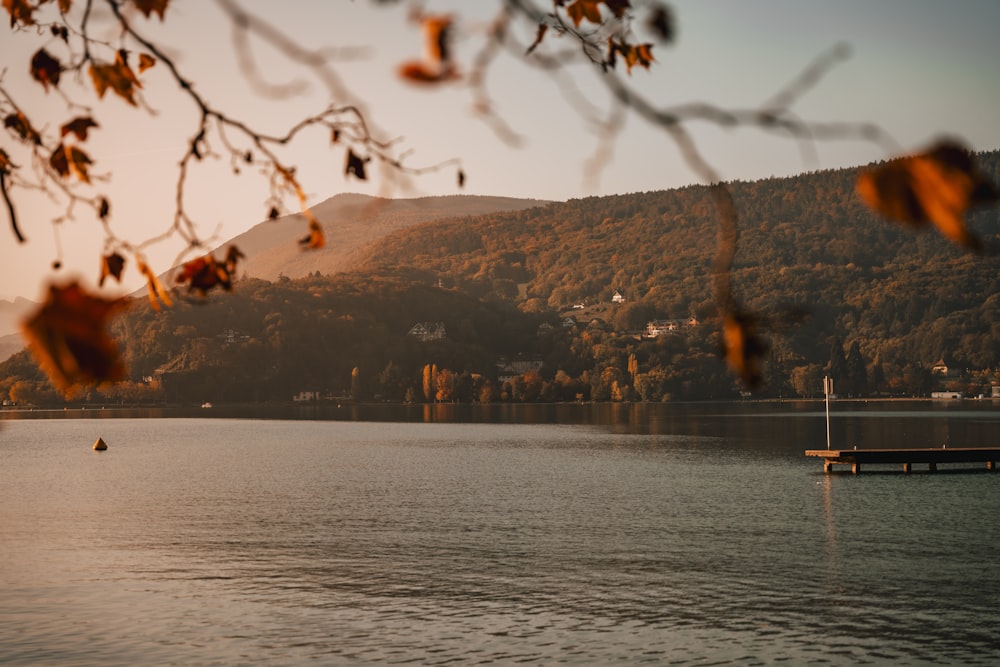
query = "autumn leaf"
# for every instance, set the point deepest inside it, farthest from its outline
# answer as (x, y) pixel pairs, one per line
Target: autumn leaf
(64, 7)
(233, 256)
(437, 33)
(639, 54)
(145, 62)
(355, 165)
(618, 7)
(437, 65)
(148, 7)
(316, 238)
(461, 178)
(420, 72)
(661, 22)
(68, 337)
(273, 213)
(19, 123)
(743, 350)
(118, 77)
(78, 126)
(156, 292)
(45, 69)
(70, 160)
(584, 9)
(539, 36)
(111, 265)
(205, 273)
(104, 208)
(20, 12)
(935, 187)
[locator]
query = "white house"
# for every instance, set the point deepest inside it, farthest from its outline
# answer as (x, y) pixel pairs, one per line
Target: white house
(426, 331)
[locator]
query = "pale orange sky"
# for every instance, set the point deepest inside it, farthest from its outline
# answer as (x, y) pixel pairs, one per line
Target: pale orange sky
(919, 69)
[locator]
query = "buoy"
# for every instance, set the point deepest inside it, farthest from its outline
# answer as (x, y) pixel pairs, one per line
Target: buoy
(100, 445)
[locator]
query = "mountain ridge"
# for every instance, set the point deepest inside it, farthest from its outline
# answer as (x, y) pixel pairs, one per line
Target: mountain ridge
(350, 221)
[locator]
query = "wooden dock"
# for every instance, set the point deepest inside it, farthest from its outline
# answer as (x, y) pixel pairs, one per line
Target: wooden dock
(856, 458)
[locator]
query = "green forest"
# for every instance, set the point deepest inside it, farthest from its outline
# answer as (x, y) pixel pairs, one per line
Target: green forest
(525, 300)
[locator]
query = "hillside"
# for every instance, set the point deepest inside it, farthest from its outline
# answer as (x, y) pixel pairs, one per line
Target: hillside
(806, 242)
(350, 222)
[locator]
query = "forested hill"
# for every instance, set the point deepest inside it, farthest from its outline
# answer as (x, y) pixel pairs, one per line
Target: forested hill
(485, 308)
(905, 297)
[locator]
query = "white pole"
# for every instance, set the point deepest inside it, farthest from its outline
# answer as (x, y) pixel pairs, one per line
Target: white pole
(827, 390)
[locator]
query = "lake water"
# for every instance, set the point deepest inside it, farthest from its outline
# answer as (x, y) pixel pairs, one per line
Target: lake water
(596, 535)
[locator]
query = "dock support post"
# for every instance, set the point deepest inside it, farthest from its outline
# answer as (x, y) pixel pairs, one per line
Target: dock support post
(907, 467)
(991, 466)
(827, 467)
(932, 467)
(855, 468)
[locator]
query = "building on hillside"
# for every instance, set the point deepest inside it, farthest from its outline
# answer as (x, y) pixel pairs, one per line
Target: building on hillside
(946, 394)
(939, 367)
(230, 336)
(427, 331)
(511, 368)
(655, 328)
(568, 322)
(618, 297)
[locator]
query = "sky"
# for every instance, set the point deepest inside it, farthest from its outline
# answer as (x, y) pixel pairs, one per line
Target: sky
(919, 69)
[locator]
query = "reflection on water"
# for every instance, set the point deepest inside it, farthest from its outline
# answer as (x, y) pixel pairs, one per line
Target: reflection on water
(593, 535)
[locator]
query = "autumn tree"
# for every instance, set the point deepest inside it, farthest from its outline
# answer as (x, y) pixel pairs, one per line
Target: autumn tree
(934, 187)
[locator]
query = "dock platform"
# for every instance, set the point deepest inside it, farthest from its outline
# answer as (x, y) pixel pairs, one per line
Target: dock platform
(856, 458)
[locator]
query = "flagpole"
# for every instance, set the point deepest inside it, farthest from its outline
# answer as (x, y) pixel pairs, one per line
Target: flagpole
(827, 390)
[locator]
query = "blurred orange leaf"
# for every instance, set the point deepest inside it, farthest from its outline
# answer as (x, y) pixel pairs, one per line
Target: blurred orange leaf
(316, 238)
(20, 12)
(78, 126)
(148, 7)
(67, 336)
(69, 160)
(19, 123)
(437, 65)
(145, 62)
(119, 77)
(155, 290)
(111, 265)
(743, 349)
(205, 273)
(937, 186)
(45, 69)
(634, 54)
(578, 10)
(539, 36)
